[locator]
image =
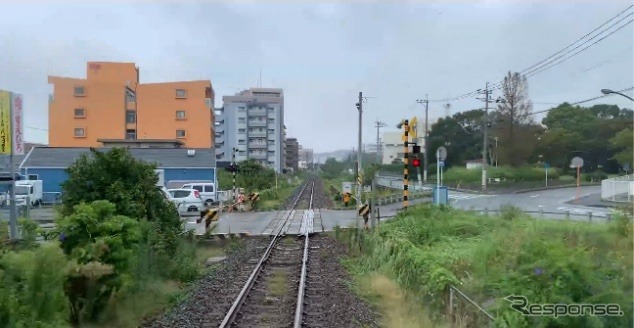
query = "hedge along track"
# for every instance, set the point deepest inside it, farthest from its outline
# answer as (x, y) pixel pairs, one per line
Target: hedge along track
(273, 296)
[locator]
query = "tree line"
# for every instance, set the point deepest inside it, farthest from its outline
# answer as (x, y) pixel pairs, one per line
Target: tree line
(600, 134)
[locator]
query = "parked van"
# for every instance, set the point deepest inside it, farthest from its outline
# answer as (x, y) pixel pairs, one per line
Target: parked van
(207, 191)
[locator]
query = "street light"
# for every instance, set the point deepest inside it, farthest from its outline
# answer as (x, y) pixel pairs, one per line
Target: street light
(608, 91)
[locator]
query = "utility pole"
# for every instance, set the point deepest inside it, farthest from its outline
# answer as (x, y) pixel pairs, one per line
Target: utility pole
(235, 168)
(425, 158)
(378, 125)
(487, 94)
(359, 155)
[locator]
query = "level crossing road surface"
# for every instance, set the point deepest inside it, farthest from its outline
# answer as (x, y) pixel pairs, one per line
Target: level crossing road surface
(554, 203)
(257, 223)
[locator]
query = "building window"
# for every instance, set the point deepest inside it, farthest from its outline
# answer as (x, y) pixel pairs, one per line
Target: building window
(242, 130)
(241, 109)
(80, 133)
(79, 92)
(241, 120)
(271, 120)
(241, 142)
(130, 116)
(180, 134)
(34, 177)
(129, 95)
(271, 130)
(271, 109)
(181, 93)
(130, 134)
(80, 113)
(180, 114)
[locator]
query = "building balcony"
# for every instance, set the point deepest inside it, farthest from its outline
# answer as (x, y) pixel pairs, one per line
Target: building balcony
(257, 123)
(257, 155)
(257, 112)
(257, 145)
(257, 134)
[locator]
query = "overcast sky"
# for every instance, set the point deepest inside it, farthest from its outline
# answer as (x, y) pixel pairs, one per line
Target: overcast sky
(322, 55)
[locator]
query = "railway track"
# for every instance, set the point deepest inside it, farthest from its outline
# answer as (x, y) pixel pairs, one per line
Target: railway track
(273, 295)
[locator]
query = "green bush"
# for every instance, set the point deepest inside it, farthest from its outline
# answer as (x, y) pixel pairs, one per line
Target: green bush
(127, 183)
(460, 174)
(597, 175)
(102, 243)
(32, 287)
(489, 258)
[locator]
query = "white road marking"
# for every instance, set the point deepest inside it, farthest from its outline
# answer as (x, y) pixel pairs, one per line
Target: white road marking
(534, 196)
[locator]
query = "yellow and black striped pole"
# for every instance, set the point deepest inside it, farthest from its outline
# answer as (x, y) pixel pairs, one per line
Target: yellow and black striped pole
(405, 163)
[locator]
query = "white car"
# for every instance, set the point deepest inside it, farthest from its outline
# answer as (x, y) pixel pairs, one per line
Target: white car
(186, 200)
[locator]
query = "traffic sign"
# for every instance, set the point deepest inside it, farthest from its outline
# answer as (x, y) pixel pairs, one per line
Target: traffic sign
(346, 187)
(412, 128)
(576, 162)
(546, 165)
(441, 163)
(626, 167)
(441, 152)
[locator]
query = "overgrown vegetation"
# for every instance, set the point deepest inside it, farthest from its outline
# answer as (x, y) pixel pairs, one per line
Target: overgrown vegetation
(427, 249)
(117, 253)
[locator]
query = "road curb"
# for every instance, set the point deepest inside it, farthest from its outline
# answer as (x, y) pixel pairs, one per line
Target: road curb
(555, 187)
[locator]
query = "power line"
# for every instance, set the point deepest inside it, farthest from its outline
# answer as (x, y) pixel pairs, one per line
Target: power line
(533, 73)
(574, 103)
(535, 68)
(583, 37)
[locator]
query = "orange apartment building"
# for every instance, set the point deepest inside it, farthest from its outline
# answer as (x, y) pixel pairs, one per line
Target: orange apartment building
(111, 104)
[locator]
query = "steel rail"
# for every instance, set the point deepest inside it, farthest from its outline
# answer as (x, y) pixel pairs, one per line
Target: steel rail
(235, 307)
(299, 308)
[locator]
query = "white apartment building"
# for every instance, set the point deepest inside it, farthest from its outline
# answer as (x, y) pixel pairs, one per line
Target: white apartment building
(252, 123)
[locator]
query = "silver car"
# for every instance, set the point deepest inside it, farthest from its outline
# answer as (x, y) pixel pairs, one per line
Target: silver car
(188, 201)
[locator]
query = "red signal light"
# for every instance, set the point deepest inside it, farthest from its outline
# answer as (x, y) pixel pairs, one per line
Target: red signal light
(416, 162)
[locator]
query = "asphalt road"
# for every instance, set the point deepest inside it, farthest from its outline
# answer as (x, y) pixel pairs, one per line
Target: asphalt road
(552, 201)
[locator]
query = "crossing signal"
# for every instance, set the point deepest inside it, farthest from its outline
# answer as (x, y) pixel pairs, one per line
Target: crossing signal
(416, 162)
(416, 149)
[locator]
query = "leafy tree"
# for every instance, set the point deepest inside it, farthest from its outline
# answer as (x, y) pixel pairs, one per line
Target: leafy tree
(461, 134)
(588, 134)
(514, 123)
(254, 176)
(251, 176)
(332, 168)
(623, 143)
(555, 146)
(127, 183)
(102, 243)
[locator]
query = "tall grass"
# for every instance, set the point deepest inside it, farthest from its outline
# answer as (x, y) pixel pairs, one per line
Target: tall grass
(489, 258)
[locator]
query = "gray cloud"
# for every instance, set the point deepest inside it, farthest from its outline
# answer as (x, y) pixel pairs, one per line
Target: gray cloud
(321, 54)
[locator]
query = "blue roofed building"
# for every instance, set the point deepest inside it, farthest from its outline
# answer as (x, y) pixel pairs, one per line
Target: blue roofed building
(49, 164)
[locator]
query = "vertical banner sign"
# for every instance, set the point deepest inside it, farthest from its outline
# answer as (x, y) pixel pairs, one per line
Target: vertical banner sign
(5, 122)
(17, 125)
